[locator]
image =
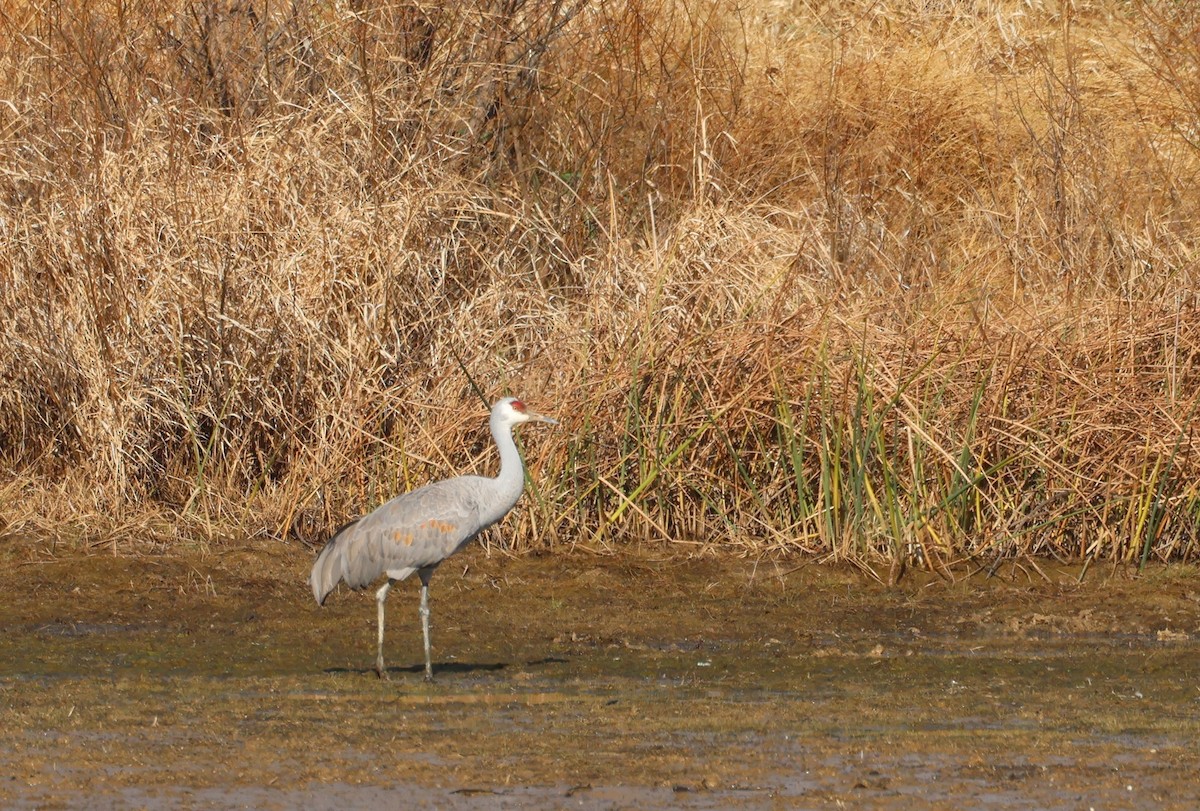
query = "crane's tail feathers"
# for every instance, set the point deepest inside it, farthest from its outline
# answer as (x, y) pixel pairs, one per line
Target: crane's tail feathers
(327, 571)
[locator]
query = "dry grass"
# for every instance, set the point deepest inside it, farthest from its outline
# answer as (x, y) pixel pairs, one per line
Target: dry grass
(871, 280)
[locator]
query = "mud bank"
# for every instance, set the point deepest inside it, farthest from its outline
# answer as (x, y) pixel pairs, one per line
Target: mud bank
(211, 680)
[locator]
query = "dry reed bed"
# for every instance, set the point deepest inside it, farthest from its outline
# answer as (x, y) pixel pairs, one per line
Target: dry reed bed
(899, 281)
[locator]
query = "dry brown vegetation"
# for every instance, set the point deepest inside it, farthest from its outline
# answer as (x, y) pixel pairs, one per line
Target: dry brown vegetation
(893, 280)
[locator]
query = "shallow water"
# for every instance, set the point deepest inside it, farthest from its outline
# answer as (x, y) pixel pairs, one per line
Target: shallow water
(212, 681)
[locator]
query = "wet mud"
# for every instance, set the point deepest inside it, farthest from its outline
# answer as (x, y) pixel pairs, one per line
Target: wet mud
(210, 679)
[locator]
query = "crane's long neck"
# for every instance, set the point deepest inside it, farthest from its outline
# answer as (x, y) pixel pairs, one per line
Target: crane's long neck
(511, 480)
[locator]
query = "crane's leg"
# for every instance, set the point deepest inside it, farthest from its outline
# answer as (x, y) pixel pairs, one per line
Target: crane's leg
(380, 597)
(425, 622)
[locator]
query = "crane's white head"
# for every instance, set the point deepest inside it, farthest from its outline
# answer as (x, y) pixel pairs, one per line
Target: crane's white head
(511, 411)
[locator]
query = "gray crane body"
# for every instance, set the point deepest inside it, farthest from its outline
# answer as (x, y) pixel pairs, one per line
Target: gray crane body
(416, 531)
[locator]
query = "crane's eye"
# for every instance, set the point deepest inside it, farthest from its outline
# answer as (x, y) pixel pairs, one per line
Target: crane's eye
(517, 405)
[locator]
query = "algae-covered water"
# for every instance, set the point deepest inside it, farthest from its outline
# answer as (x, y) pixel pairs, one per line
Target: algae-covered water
(211, 680)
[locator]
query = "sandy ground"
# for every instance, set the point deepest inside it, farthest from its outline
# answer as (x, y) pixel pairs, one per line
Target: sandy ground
(210, 679)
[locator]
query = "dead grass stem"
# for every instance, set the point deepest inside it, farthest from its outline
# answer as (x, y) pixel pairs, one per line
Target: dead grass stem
(871, 281)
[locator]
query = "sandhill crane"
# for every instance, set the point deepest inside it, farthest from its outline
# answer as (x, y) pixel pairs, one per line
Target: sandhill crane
(416, 531)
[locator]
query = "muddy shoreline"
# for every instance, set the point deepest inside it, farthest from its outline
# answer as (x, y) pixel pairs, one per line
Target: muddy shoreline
(209, 679)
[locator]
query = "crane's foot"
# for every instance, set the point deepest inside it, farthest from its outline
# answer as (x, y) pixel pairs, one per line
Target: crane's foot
(380, 671)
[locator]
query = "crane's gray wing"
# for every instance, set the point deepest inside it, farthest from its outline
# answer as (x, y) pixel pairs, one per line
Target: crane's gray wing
(414, 530)
(326, 572)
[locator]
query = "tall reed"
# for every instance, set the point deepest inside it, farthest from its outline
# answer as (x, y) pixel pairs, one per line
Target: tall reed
(874, 282)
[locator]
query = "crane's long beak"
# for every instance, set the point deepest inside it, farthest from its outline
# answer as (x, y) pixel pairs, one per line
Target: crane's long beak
(533, 415)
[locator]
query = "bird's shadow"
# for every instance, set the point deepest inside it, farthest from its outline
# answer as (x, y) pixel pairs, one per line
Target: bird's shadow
(446, 667)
